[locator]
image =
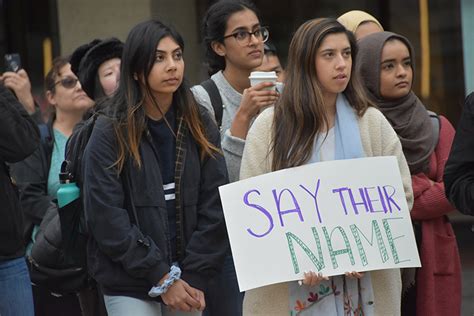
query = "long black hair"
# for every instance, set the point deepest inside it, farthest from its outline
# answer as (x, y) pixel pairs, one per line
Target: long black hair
(214, 26)
(127, 103)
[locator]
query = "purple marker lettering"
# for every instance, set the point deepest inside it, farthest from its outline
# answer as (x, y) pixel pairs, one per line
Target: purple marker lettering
(295, 203)
(261, 209)
(314, 198)
(341, 197)
(389, 199)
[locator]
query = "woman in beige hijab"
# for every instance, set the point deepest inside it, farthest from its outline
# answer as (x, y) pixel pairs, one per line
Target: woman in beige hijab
(360, 23)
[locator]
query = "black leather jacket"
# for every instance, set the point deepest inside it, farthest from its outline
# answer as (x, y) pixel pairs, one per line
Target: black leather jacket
(31, 176)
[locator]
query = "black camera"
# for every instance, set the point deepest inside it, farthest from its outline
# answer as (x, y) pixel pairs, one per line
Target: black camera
(12, 62)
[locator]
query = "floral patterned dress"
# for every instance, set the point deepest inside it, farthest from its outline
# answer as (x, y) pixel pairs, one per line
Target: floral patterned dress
(338, 296)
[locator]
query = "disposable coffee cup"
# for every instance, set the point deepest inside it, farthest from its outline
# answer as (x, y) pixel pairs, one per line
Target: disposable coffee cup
(257, 77)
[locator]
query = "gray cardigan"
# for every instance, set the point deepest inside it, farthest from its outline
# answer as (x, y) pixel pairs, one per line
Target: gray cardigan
(232, 147)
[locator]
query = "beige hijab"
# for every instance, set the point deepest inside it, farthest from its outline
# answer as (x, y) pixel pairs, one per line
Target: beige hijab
(352, 19)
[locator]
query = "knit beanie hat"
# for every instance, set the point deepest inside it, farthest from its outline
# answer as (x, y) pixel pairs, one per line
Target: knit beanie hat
(86, 59)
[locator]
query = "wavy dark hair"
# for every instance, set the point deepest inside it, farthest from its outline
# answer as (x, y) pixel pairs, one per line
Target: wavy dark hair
(214, 26)
(300, 113)
(55, 72)
(127, 103)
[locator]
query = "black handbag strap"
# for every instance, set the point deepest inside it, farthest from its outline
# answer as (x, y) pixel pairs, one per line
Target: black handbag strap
(216, 101)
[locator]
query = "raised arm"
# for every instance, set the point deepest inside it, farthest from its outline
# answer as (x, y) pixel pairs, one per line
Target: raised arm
(19, 133)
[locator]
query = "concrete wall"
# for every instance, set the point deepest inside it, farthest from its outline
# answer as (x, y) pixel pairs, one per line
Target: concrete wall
(182, 15)
(467, 12)
(81, 21)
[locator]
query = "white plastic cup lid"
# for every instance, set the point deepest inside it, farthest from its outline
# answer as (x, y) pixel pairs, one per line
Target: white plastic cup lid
(263, 75)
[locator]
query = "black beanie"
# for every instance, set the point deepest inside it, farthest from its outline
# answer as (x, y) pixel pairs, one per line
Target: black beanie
(94, 56)
(77, 55)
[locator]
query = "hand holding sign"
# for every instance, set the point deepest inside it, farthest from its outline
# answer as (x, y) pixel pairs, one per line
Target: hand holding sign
(330, 217)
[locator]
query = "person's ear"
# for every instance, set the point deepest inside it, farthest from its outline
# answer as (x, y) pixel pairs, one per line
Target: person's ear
(50, 98)
(218, 48)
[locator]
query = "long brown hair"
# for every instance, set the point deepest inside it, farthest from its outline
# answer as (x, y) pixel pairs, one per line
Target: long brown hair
(128, 101)
(300, 112)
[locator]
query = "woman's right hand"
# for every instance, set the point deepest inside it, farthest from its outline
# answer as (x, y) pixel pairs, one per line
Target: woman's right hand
(181, 296)
(254, 100)
(312, 278)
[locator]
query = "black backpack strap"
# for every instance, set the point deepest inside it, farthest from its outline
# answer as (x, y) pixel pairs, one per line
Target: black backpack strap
(435, 121)
(44, 133)
(216, 101)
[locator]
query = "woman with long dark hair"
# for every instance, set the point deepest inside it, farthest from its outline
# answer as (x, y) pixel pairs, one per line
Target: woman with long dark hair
(323, 114)
(233, 38)
(151, 172)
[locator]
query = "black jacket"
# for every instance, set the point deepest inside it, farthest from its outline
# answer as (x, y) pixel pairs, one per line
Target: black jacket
(128, 260)
(31, 176)
(459, 170)
(19, 137)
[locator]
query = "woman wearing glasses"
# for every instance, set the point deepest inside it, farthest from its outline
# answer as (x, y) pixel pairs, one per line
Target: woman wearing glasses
(37, 176)
(233, 39)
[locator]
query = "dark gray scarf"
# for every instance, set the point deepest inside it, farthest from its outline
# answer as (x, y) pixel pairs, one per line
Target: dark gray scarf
(407, 115)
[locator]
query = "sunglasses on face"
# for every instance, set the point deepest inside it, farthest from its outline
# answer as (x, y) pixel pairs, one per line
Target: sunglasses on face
(67, 82)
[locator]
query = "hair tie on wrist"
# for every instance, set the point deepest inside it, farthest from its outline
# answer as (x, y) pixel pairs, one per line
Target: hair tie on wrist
(175, 274)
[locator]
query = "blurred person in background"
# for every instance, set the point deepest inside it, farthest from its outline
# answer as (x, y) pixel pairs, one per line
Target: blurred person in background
(271, 61)
(38, 175)
(19, 137)
(360, 23)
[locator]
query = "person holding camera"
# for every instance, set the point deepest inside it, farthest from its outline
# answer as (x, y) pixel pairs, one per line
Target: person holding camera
(19, 83)
(16, 79)
(19, 137)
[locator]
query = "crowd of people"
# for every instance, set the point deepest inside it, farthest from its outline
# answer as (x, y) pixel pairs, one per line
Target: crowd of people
(159, 149)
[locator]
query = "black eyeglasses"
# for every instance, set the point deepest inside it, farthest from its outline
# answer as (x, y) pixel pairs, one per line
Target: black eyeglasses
(243, 37)
(67, 82)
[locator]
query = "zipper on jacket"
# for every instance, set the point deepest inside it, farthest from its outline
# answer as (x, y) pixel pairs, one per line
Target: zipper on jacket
(165, 218)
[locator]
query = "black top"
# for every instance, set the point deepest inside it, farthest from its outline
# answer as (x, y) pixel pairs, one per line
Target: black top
(19, 137)
(459, 170)
(165, 144)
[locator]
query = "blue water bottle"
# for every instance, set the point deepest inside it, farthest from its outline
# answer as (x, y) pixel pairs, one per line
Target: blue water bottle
(68, 190)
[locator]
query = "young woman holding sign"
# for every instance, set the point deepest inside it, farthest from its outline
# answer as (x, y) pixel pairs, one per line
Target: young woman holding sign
(387, 66)
(323, 114)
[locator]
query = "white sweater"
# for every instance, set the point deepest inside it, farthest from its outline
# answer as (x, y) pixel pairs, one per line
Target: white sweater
(378, 139)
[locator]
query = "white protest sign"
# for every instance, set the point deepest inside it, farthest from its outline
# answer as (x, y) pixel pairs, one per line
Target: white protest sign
(331, 217)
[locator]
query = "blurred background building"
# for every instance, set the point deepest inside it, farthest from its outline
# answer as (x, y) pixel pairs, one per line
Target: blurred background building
(442, 32)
